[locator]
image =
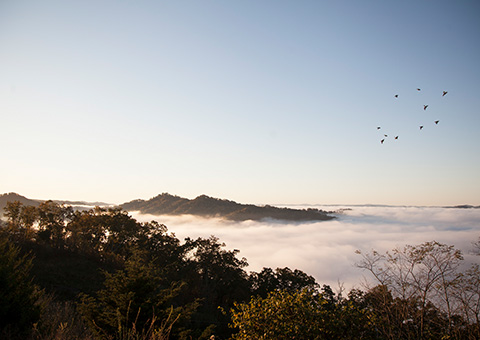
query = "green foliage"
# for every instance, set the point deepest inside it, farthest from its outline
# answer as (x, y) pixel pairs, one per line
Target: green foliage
(303, 314)
(281, 315)
(52, 219)
(281, 279)
(109, 233)
(20, 220)
(137, 290)
(216, 277)
(18, 295)
(12, 212)
(219, 271)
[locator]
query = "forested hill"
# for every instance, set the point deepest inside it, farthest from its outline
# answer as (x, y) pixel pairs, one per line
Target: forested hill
(166, 204)
(12, 197)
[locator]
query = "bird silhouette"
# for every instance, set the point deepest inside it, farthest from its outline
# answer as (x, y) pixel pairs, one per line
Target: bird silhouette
(425, 106)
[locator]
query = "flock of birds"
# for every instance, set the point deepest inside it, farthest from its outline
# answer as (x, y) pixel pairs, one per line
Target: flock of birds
(425, 106)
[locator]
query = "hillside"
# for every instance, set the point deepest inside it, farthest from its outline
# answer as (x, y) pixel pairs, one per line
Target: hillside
(166, 204)
(12, 197)
(205, 206)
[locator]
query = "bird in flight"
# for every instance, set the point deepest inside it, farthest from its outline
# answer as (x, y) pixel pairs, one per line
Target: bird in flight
(425, 106)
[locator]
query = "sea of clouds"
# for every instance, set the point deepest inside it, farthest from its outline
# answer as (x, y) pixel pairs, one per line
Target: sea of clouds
(326, 249)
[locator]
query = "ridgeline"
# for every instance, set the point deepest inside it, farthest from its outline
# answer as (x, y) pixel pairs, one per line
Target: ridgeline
(205, 206)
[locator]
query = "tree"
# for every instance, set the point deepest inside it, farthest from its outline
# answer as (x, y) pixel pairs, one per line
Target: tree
(28, 217)
(304, 314)
(134, 298)
(123, 231)
(164, 248)
(12, 213)
(281, 315)
(20, 220)
(216, 276)
(422, 275)
(18, 295)
(285, 279)
(467, 292)
(52, 221)
(110, 232)
(86, 231)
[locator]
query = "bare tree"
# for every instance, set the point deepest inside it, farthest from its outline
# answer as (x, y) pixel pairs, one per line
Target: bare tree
(468, 293)
(426, 273)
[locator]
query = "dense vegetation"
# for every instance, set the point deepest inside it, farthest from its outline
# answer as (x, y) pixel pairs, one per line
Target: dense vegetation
(166, 204)
(100, 274)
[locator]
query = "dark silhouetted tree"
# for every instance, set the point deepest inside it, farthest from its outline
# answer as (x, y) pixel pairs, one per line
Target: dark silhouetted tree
(216, 276)
(52, 221)
(136, 297)
(18, 295)
(285, 279)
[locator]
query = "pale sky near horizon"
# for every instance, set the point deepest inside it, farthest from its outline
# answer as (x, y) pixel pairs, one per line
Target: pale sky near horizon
(265, 101)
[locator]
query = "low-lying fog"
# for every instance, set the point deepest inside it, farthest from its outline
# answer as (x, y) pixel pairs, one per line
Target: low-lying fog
(326, 250)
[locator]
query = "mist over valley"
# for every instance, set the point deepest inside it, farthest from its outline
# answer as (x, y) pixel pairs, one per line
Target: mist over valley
(326, 249)
(322, 248)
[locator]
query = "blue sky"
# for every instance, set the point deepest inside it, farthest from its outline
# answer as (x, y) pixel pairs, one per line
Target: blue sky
(255, 101)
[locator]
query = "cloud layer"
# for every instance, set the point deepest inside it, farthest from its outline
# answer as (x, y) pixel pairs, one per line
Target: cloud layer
(326, 250)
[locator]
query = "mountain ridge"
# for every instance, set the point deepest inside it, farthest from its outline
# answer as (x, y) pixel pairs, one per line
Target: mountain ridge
(13, 196)
(203, 205)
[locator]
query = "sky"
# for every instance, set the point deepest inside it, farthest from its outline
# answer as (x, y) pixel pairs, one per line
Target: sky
(264, 102)
(326, 249)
